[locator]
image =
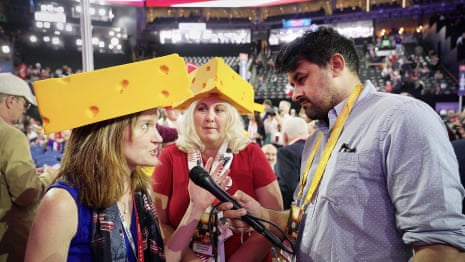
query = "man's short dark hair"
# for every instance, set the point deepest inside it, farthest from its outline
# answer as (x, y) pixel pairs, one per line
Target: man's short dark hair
(317, 47)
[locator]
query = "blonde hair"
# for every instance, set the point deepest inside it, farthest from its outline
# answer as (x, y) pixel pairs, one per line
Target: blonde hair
(189, 140)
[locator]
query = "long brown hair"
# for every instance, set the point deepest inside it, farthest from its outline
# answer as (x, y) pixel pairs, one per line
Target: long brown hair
(94, 162)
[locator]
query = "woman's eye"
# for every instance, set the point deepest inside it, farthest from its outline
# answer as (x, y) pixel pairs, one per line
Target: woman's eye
(145, 126)
(219, 109)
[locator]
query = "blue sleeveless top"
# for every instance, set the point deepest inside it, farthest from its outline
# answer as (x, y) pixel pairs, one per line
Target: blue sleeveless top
(79, 249)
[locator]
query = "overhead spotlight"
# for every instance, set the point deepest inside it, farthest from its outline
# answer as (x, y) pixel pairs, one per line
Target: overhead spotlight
(95, 40)
(46, 39)
(60, 26)
(6, 49)
(79, 42)
(114, 41)
(56, 41)
(33, 39)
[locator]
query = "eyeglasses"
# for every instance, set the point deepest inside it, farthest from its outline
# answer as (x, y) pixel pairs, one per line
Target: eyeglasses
(26, 104)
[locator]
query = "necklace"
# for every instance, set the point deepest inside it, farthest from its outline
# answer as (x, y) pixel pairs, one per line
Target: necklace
(127, 232)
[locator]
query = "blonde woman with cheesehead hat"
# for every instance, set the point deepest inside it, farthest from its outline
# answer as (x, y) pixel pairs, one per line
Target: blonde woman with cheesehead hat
(100, 207)
(213, 131)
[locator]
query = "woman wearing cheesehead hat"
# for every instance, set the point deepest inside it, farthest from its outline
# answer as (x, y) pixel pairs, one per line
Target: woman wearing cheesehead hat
(212, 131)
(100, 207)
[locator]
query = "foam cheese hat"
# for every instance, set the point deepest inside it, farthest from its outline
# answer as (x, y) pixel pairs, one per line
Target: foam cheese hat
(90, 97)
(216, 78)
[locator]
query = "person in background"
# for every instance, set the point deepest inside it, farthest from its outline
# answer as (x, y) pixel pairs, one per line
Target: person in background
(288, 160)
(267, 105)
(168, 134)
(270, 152)
(172, 118)
(213, 130)
(255, 128)
(100, 208)
(379, 179)
(21, 183)
(271, 126)
(284, 110)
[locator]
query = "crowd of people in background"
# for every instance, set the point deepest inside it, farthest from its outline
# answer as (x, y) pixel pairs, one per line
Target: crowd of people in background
(263, 128)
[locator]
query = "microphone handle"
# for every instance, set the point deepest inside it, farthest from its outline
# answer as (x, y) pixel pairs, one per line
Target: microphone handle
(254, 223)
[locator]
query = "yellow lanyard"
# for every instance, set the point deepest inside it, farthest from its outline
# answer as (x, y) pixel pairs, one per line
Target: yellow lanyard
(335, 133)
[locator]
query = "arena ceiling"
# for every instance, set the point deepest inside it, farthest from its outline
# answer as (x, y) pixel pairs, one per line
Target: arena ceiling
(205, 3)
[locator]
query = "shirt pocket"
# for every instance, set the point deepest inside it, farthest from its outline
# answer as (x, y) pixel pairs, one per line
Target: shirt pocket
(353, 180)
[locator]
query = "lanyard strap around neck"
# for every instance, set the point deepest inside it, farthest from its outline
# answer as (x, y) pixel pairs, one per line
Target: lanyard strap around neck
(334, 136)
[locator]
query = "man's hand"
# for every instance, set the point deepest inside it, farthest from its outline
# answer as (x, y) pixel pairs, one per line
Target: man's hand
(250, 206)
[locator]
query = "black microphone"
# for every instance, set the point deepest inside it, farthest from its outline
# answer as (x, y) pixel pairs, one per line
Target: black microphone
(201, 178)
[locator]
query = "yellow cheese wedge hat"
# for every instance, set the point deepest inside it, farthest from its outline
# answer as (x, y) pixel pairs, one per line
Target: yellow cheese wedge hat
(215, 77)
(90, 97)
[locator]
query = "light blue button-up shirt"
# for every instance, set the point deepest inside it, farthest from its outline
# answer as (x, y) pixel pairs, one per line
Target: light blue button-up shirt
(400, 187)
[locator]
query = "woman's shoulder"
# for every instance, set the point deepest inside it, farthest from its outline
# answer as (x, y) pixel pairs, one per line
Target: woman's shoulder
(171, 149)
(59, 200)
(65, 187)
(250, 149)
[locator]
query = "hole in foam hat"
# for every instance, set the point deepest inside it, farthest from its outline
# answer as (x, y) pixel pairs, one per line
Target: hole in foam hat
(204, 85)
(164, 69)
(124, 84)
(208, 68)
(165, 93)
(93, 111)
(45, 120)
(193, 80)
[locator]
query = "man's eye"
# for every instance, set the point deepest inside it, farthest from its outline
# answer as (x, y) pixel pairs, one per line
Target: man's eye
(145, 126)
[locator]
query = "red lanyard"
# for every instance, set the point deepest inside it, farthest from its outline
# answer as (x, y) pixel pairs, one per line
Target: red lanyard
(140, 244)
